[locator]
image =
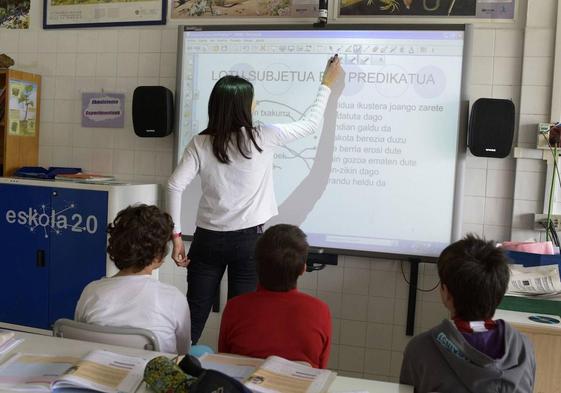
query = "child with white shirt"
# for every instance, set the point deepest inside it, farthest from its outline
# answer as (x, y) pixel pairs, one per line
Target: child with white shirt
(138, 240)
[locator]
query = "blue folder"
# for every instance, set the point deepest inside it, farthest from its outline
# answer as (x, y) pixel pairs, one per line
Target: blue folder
(38, 172)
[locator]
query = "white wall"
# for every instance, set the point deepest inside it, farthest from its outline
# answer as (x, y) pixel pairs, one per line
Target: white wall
(535, 107)
(367, 297)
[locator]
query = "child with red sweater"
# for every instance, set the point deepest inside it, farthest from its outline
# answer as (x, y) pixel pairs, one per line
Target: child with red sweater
(277, 319)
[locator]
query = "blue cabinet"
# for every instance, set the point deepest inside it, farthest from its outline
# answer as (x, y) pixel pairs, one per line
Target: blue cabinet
(24, 282)
(77, 248)
(53, 245)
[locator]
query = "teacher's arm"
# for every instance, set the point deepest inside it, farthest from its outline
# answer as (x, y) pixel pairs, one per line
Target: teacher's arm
(182, 176)
(283, 134)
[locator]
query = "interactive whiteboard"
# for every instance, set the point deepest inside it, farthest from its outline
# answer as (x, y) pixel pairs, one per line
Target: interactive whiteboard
(380, 176)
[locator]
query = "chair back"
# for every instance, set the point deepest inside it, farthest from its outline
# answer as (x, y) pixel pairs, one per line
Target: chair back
(123, 336)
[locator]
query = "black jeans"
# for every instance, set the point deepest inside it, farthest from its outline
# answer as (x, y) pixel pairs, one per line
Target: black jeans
(210, 253)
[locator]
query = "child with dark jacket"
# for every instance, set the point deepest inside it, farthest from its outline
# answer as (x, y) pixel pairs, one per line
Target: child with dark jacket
(471, 353)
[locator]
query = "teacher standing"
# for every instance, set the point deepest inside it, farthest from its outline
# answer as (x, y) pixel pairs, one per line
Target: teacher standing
(234, 159)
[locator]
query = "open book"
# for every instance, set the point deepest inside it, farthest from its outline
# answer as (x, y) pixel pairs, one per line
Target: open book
(8, 341)
(100, 371)
(273, 374)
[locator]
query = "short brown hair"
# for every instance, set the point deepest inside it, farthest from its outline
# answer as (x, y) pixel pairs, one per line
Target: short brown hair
(138, 235)
(476, 274)
(281, 254)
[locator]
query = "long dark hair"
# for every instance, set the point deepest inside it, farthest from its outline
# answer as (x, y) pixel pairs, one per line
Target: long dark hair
(229, 110)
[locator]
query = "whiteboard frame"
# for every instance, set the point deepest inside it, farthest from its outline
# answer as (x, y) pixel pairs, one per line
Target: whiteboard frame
(461, 148)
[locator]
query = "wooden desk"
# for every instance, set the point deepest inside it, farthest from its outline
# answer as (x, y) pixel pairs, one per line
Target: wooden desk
(344, 384)
(547, 347)
(38, 344)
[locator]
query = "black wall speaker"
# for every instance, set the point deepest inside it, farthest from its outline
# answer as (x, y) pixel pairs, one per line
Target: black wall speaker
(491, 127)
(152, 111)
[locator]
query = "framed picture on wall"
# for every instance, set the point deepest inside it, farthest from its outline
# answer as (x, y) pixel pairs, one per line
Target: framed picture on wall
(188, 9)
(489, 9)
(14, 14)
(59, 14)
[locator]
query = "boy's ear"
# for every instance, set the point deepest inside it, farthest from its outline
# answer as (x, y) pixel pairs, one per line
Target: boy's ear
(447, 298)
(303, 270)
(158, 261)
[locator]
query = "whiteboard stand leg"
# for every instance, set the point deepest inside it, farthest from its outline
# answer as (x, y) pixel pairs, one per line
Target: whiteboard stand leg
(412, 300)
(549, 175)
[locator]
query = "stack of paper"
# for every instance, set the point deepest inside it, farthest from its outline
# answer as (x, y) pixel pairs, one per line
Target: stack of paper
(8, 341)
(85, 177)
(542, 248)
(540, 281)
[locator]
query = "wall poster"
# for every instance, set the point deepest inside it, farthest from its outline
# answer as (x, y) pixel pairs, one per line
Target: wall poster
(94, 13)
(14, 14)
(490, 9)
(105, 110)
(183, 9)
(22, 108)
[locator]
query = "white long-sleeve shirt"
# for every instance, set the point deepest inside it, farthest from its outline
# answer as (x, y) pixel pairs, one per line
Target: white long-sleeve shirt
(240, 194)
(139, 301)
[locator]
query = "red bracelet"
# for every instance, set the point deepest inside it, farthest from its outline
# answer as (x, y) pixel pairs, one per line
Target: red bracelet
(175, 235)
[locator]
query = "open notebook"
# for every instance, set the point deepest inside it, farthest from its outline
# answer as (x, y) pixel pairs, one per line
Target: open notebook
(273, 374)
(99, 371)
